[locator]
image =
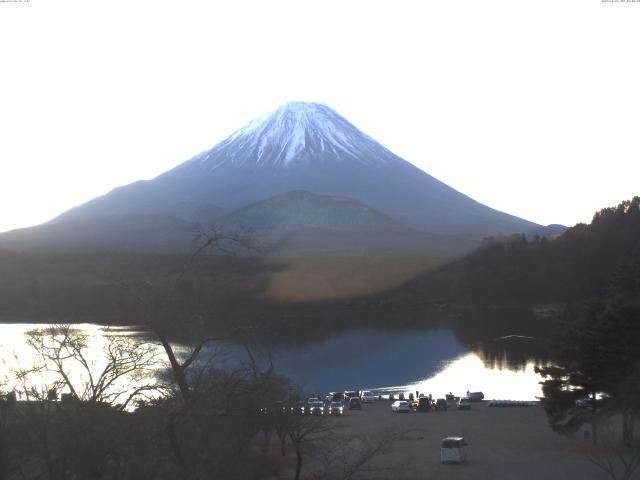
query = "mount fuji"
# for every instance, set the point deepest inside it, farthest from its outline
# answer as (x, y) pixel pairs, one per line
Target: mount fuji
(299, 147)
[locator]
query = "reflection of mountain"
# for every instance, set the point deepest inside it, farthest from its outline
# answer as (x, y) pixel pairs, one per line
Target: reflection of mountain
(407, 360)
(366, 358)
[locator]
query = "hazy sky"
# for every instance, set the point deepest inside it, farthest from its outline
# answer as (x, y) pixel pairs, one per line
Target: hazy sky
(528, 106)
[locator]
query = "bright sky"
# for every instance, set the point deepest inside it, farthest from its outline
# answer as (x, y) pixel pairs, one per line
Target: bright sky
(529, 106)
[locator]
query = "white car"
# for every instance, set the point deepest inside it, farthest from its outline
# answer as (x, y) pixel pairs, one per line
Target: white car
(452, 450)
(316, 408)
(400, 406)
(368, 397)
(335, 408)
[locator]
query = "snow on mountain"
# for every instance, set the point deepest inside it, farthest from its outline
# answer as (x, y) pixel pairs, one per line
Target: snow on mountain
(294, 132)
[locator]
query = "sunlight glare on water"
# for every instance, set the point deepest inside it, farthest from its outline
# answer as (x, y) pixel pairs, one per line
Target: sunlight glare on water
(17, 357)
(471, 373)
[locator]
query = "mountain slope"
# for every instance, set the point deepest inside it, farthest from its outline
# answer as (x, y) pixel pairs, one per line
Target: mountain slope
(300, 222)
(298, 209)
(305, 146)
(135, 232)
(296, 222)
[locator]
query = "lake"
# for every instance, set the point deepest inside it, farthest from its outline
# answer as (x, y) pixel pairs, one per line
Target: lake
(428, 361)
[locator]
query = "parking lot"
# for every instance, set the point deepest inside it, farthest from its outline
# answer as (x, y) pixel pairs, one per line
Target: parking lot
(503, 443)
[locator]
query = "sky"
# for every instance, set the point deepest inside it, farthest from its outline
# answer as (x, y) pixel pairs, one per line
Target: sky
(530, 107)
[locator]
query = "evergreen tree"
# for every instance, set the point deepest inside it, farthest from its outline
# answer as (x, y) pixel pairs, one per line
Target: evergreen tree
(596, 368)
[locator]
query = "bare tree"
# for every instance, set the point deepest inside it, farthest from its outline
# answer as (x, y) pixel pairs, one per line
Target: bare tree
(6, 407)
(108, 372)
(349, 457)
(156, 303)
(307, 430)
(618, 458)
(34, 418)
(122, 371)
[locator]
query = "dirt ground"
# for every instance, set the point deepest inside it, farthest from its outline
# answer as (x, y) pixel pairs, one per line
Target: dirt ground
(504, 443)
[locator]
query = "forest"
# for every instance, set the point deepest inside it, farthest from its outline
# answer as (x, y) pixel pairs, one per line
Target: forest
(517, 270)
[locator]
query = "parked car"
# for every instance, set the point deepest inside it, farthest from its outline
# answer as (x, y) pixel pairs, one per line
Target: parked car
(475, 396)
(337, 397)
(452, 450)
(583, 402)
(336, 408)
(422, 404)
(315, 408)
(281, 407)
(464, 404)
(350, 394)
(441, 404)
(354, 404)
(301, 408)
(400, 406)
(368, 397)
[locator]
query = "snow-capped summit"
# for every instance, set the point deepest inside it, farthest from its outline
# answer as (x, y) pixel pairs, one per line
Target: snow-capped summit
(309, 147)
(296, 132)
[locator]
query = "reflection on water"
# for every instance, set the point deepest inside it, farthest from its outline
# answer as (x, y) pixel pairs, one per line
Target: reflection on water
(431, 361)
(368, 358)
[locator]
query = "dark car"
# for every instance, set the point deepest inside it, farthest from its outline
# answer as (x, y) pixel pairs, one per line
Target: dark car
(338, 397)
(475, 396)
(350, 394)
(335, 408)
(423, 404)
(441, 404)
(354, 404)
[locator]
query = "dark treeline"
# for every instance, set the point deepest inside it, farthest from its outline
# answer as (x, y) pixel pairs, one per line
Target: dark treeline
(218, 293)
(592, 388)
(516, 270)
(597, 354)
(88, 287)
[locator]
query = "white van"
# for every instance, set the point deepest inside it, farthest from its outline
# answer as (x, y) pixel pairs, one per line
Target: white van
(452, 450)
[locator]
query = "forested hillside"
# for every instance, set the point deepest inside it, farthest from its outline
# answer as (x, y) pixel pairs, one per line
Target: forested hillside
(506, 270)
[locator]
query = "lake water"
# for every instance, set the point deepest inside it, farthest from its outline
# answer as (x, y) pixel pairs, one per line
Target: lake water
(432, 361)
(429, 361)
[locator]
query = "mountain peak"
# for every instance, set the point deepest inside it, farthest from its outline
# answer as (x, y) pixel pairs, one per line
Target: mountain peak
(292, 118)
(298, 106)
(295, 133)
